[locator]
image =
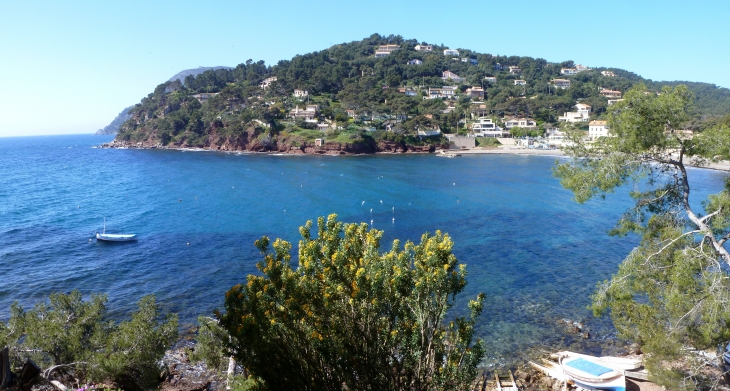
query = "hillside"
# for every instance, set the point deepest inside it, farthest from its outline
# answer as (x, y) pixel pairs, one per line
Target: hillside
(113, 127)
(194, 72)
(358, 96)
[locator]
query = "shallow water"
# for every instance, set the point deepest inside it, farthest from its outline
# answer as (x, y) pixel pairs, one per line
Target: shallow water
(534, 252)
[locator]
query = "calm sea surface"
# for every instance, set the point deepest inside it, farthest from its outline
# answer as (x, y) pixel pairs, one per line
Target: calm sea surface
(535, 253)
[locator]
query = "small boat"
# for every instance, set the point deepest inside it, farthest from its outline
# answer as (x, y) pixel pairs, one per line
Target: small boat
(114, 237)
(590, 375)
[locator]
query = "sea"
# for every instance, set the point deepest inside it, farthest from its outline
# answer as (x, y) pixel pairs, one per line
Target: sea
(534, 252)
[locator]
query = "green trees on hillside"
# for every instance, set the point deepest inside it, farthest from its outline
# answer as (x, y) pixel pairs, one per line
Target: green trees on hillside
(347, 315)
(673, 290)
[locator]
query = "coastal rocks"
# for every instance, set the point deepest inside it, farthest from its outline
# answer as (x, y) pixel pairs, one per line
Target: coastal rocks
(182, 375)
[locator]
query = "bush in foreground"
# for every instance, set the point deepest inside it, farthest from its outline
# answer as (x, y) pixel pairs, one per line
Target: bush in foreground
(350, 315)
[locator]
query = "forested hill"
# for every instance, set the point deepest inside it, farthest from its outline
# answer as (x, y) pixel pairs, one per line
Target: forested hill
(359, 95)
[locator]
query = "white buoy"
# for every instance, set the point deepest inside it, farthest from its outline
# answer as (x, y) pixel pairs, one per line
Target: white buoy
(381, 202)
(188, 243)
(363, 203)
(371, 210)
(454, 183)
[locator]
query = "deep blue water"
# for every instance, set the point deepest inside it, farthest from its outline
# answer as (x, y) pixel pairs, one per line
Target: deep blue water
(534, 252)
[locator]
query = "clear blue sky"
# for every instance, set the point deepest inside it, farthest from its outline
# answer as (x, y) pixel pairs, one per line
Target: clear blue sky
(72, 66)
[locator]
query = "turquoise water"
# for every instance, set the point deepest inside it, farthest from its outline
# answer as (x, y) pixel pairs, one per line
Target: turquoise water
(534, 252)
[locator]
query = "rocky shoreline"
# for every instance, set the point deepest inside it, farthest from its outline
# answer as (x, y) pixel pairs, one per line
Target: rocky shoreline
(387, 147)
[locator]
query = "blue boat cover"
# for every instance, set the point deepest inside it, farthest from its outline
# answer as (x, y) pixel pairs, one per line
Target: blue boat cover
(588, 367)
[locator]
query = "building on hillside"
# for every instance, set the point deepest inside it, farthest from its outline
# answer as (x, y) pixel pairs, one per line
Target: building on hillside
(485, 127)
(513, 69)
(611, 93)
(204, 96)
(498, 67)
(608, 73)
(308, 115)
(561, 83)
(443, 92)
(478, 109)
(267, 82)
(584, 109)
(415, 61)
(429, 131)
(475, 92)
(490, 79)
(451, 52)
(300, 93)
(409, 91)
(612, 102)
(350, 113)
(424, 48)
(597, 129)
(520, 82)
(384, 50)
(525, 123)
(581, 68)
(568, 71)
(451, 76)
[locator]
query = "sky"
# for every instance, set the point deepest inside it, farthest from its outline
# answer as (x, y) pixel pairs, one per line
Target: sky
(71, 66)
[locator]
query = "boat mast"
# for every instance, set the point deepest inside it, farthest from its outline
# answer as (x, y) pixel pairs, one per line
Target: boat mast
(103, 232)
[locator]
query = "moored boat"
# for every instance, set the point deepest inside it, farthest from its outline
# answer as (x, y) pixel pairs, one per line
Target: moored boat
(590, 375)
(115, 237)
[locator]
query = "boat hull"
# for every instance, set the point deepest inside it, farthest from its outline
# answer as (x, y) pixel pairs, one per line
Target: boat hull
(116, 237)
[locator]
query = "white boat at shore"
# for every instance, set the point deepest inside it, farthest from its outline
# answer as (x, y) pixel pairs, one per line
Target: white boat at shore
(115, 237)
(587, 373)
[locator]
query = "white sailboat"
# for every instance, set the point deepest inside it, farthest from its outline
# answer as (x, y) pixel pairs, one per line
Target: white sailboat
(114, 237)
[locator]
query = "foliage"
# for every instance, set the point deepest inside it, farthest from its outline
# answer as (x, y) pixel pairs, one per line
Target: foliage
(349, 315)
(72, 332)
(671, 291)
(487, 142)
(525, 132)
(211, 344)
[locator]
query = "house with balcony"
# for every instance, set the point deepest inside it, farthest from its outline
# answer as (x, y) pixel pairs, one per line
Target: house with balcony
(475, 92)
(424, 48)
(611, 93)
(300, 93)
(568, 71)
(451, 52)
(309, 114)
(267, 82)
(561, 83)
(582, 114)
(513, 69)
(485, 127)
(451, 76)
(597, 129)
(443, 92)
(385, 50)
(520, 82)
(525, 123)
(429, 131)
(581, 68)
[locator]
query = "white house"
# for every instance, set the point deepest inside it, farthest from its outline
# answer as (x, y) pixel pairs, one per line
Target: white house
(584, 109)
(597, 129)
(300, 93)
(568, 71)
(426, 132)
(267, 82)
(308, 115)
(415, 61)
(490, 79)
(384, 50)
(443, 92)
(424, 48)
(612, 102)
(448, 75)
(451, 52)
(561, 83)
(581, 68)
(525, 123)
(204, 96)
(484, 127)
(608, 73)
(520, 82)
(514, 69)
